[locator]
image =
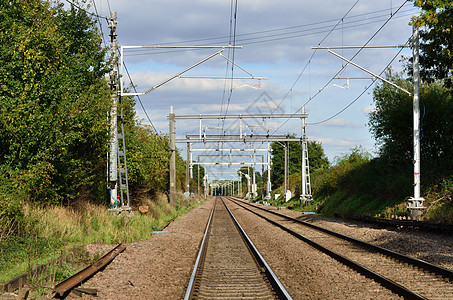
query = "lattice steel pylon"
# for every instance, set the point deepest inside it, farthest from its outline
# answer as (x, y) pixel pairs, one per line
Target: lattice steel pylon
(306, 195)
(117, 168)
(122, 164)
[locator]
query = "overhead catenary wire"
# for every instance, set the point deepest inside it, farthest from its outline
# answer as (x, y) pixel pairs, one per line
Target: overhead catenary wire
(312, 55)
(341, 70)
(222, 38)
(138, 97)
(228, 61)
(355, 55)
(233, 54)
(231, 41)
(281, 36)
(360, 95)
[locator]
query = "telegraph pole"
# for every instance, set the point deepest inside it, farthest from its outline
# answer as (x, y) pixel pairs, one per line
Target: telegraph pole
(113, 158)
(172, 126)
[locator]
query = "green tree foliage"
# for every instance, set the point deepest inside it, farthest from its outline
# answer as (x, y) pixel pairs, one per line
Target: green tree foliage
(148, 155)
(148, 160)
(391, 123)
(316, 157)
(196, 176)
(436, 33)
(54, 100)
(338, 177)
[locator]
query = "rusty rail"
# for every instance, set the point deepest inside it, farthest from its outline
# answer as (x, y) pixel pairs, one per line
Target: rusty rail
(65, 286)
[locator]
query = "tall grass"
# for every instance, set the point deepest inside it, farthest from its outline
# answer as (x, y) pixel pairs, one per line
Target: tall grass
(47, 232)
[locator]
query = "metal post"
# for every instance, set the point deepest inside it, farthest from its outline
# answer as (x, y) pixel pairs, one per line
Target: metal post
(172, 126)
(198, 178)
(286, 166)
(254, 183)
(188, 169)
(269, 170)
(240, 127)
(304, 175)
(262, 179)
(113, 159)
(415, 204)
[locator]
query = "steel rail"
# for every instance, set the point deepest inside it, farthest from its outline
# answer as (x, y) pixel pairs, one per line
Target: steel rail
(384, 281)
(270, 275)
(67, 285)
(276, 284)
(201, 252)
(446, 273)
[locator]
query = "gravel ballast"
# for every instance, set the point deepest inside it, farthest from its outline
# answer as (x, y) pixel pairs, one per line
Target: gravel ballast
(160, 267)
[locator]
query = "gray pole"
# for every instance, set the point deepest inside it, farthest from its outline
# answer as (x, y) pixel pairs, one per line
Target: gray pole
(304, 167)
(188, 168)
(269, 170)
(262, 179)
(415, 204)
(172, 126)
(254, 183)
(113, 159)
(286, 167)
(198, 179)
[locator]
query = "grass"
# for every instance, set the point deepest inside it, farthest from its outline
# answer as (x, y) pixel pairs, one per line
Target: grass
(56, 235)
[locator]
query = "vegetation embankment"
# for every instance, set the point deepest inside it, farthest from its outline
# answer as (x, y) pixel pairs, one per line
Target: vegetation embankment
(54, 99)
(356, 183)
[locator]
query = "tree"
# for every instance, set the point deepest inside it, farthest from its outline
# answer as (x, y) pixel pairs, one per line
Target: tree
(196, 176)
(436, 20)
(391, 122)
(54, 101)
(316, 157)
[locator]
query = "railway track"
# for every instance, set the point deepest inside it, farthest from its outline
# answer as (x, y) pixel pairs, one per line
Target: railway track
(406, 276)
(229, 266)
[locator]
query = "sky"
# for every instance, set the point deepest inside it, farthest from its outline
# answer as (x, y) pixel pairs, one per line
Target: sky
(277, 39)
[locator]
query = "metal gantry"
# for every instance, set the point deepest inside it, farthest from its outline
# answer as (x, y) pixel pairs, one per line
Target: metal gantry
(251, 138)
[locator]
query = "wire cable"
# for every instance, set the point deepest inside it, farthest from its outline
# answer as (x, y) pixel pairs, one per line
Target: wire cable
(138, 97)
(99, 22)
(341, 70)
(312, 55)
(361, 94)
(355, 55)
(233, 52)
(222, 38)
(90, 13)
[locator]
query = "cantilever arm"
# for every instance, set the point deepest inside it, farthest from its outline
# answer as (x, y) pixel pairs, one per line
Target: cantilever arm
(180, 73)
(369, 72)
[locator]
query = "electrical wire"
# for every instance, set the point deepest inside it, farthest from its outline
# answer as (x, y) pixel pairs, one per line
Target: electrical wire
(360, 95)
(90, 13)
(312, 55)
(99, 22)
(355, 55)
(233, 52)
(269, 38)
(341, 70)
(138, 97)
(222, 38)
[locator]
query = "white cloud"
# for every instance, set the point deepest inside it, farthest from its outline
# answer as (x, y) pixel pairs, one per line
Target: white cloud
(341, 122)
(279, 58)
(368, 109)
